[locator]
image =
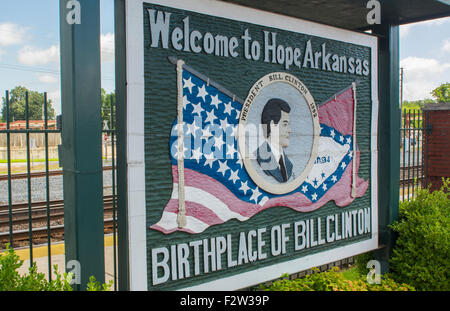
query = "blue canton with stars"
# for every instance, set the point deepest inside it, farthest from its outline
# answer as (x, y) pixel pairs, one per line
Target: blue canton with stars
(210, 120)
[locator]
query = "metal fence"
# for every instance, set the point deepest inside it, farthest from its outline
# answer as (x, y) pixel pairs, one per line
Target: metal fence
(31, 197)
(31, 187)
(109, 133)
(412, 153)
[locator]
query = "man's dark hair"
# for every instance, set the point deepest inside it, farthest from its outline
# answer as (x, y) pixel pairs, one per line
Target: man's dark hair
(272, 112)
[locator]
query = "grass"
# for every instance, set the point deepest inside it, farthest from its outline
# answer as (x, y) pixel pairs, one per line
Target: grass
(351, 274)
(34, 168)
(37, 165)
(25, 160)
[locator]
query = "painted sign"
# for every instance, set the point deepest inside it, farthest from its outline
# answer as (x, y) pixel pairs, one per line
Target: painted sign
(251, 144)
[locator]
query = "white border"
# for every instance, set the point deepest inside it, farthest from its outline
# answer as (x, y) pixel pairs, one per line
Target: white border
(135, 137)
(280, 188)
(275, 271)
(137, 234)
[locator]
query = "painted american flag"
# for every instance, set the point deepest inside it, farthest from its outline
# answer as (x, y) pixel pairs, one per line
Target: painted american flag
(217, 186)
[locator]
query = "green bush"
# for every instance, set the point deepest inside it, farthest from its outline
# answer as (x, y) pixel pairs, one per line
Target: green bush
(361, 262)
(95, 286)
(11, 280)
(421, 255)
(334, 280)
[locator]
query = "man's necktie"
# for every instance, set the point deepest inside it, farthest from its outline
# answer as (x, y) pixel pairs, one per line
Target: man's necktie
(282, 169)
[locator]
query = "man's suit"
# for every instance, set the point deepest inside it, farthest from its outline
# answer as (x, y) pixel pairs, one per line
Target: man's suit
(271, 166)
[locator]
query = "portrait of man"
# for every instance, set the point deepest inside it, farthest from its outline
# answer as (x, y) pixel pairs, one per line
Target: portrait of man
(271, 155)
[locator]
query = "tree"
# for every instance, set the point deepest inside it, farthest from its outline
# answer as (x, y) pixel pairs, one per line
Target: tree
(17, 105)
(442, 93)
(106, 106)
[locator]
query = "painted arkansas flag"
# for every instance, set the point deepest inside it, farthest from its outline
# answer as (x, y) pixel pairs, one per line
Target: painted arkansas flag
(217, 187)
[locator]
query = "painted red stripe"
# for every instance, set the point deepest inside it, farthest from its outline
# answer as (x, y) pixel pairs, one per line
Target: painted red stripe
(195, 210)
(341, 106)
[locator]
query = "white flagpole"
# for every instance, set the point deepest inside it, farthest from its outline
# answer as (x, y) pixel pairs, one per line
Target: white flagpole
(353, 194)
(181, 218)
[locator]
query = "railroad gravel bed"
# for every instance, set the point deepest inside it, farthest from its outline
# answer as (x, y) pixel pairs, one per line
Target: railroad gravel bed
(38, 188)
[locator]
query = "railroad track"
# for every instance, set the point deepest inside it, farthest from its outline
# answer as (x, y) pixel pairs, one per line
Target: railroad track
(40, 214)
(411, 174)
(20, 213)
(42, 232)
(408, 181)
(414, 167)
(40, 174)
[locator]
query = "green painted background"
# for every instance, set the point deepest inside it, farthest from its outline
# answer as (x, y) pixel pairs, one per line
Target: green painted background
(237, 75)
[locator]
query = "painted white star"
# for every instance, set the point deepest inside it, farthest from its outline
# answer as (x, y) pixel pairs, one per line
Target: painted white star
(230, 151)
(343, 165)
(350, 154)
(233, 131)
(314, 197)
(223, 124)
(334, 178)
(215, 101)
(192, 128)
(202, 92)
(210, 159)
(304, 189)
(185, 102)
(223, 167)
(228, 108)
(234, 176)
(188, 83)
(255, 195)
(244, 187)
(218, 142)
(197, 109)
(206, 134)
(197, 154)
(324, 187)
(341, 139)
(210, 116)
(349, 140)
(332, 133)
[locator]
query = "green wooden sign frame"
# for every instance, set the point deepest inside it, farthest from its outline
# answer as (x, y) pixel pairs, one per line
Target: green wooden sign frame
(144, 77)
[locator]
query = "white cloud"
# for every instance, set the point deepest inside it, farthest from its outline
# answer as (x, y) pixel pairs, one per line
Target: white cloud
(423, 67)
(48, 78)
(55, 97)
(30, 55)
(404, 30)
(446, 46)
(107, 47)
(11, 34)
(421, 76)
(435, 22)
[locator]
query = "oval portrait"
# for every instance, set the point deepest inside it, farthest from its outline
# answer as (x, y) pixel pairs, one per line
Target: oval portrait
(278, 133)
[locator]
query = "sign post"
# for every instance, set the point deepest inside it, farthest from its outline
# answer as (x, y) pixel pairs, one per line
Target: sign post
(251, 144)
(389, 138)
(81, 138)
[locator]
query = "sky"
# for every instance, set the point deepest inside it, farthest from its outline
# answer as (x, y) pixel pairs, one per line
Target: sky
(29, 50)
(29, 46)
